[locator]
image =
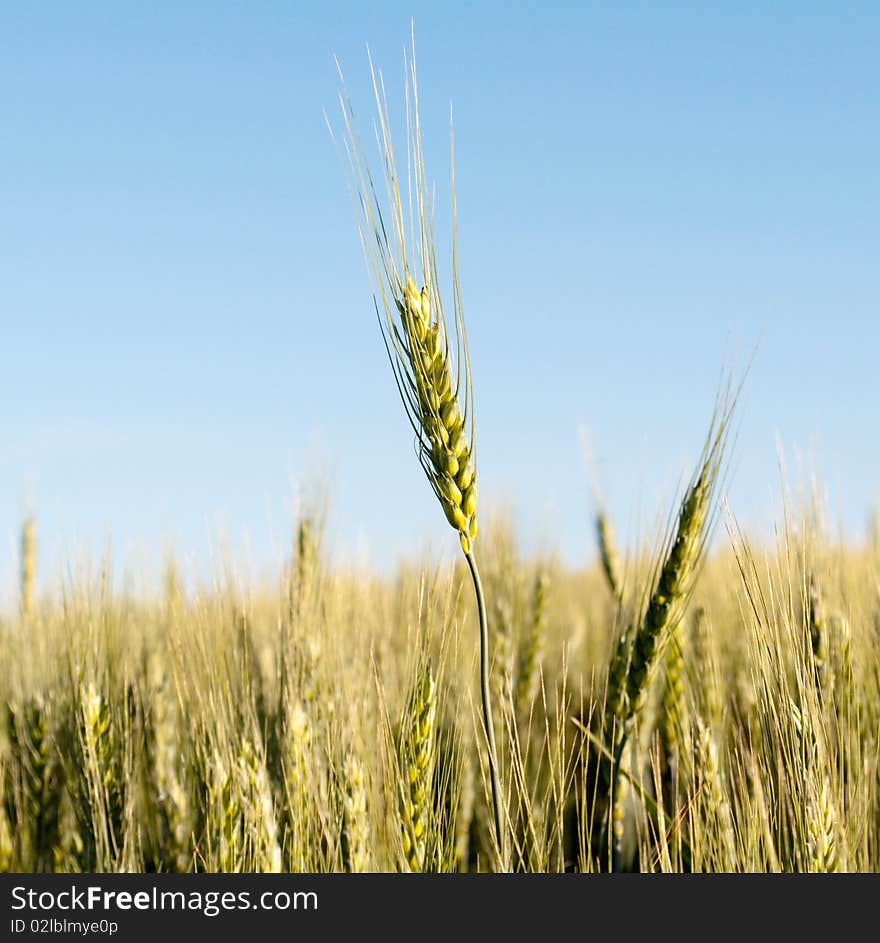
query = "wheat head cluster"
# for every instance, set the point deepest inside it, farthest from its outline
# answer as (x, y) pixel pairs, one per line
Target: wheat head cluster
(667, 709)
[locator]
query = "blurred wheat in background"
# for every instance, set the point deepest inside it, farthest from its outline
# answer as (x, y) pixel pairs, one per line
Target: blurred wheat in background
(333, 723)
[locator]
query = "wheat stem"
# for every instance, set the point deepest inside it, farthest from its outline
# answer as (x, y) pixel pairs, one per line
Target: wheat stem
(487, 709)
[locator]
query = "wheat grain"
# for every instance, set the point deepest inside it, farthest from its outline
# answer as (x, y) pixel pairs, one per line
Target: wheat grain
(714, 796)
(418, 750)
(822, 839)
(357, 824)
(673, 723)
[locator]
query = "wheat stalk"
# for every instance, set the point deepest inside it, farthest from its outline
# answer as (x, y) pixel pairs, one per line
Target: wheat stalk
(704, 681)
(105, 777)
(30, 743)
(357, 823)
(259, 804)
(664, 608)
(432, 372)
(418, 749)
(296, 762)
(714, 793)
(225, 815)
(530, 649)
(822, 831)
(28, 566)
(672, 588)
(171, 796)
(673, 720)
(464, 816)
(608, 555)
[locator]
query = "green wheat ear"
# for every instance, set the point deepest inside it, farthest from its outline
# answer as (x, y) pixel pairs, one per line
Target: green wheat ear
(430, 362)
(422, 359)
(680, 564)
(672, 586)
(417, 756)
(822, 830)
(608, 555)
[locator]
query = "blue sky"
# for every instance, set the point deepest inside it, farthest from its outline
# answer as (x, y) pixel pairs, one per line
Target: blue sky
(644, 190)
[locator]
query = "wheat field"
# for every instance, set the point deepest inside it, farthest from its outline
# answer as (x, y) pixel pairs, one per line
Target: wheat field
(332, 723)
(701, 702)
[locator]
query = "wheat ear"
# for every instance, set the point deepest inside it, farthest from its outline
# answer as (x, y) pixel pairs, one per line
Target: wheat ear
(608, 555)
(673, 722)
(433, 375)
(30, 745)
(664, 608)
(357, 823)
(530, 649)
(28, 566)
(104, 775)
(171, 796)
(672, 588)
(296, 766)
(704, 681)
(822, 831)
(714, 792)
(418, 751)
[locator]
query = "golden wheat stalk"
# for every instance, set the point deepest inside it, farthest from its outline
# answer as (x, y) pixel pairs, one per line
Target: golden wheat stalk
(822, 830)
(357, 823)
(666, 603)
(430, 363)
(672, 588)
(418, 750)
(433, 376)
(297, 787)
(172, 799)
(714, 793)
(104, 773)
(262, 825)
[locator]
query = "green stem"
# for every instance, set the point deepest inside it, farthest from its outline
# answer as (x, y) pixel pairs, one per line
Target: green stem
(487, 708)
(616, 841)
